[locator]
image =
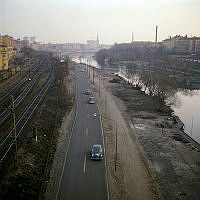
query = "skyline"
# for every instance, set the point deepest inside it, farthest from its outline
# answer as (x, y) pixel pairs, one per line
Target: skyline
(114, 21)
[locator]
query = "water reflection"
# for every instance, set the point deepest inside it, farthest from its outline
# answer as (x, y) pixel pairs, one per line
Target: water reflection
(188, 110)
(87, 59)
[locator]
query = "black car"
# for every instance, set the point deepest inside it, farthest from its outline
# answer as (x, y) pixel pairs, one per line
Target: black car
(97, 152)
(87, 91)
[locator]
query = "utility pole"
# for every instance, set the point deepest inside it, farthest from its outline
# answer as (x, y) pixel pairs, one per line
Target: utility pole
(36, 135)
(99, 82)
(93, 74)
(191, 126)
(115, 146)
(14, 128)
(29, 73)
(162, 127)
(86, 64)
(89, 69)
(35, 132)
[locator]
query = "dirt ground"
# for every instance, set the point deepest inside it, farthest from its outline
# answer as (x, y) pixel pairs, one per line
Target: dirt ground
(152, 163)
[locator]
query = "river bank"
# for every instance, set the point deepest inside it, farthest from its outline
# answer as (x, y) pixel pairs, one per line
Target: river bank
(181, 115)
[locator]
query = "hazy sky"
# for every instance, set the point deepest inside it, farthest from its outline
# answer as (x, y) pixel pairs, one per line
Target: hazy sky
(113, 20)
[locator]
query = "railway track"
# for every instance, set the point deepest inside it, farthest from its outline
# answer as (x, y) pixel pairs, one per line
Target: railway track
(19, 85)
(5, 97)
(33, 78)
(6, 113)
(30, 74)
(8, 142)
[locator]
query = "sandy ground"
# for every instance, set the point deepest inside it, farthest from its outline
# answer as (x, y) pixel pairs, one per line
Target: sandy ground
(151, 163)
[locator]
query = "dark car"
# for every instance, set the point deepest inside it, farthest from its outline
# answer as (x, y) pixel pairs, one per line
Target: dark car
(97, 152)
(87, 91)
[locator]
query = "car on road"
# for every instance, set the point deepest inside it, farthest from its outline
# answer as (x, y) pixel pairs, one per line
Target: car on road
(87, 91)
(91, 100)
(96, 152)
(82, 70)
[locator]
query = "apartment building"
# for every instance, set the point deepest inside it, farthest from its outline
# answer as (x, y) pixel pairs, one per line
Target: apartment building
(3, 57)
(6, 51)
(17, 44)
(182, 44)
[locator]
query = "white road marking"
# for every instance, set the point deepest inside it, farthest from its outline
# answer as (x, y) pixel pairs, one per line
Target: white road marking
(86, 132)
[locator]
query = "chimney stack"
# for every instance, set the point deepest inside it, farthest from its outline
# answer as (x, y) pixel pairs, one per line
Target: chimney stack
(132, 37)
(156, 39)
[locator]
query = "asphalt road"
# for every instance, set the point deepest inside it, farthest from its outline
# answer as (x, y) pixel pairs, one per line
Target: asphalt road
(83, 178)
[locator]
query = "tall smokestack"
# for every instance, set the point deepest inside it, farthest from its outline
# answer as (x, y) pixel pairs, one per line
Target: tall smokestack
(156, 39)
(132, 37)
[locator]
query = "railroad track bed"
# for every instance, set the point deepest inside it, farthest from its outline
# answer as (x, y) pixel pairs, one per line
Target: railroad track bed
(35, 89)
(8, 142)
(19, 86)
(9, 84)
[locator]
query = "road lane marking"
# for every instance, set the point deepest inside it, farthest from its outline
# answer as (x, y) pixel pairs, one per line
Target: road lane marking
(86, 131)
(87, 116)
(84, 164)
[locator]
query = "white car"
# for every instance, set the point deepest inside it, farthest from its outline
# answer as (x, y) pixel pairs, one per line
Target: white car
(91, 100)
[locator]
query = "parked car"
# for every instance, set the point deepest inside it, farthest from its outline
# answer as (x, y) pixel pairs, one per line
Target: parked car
(91, 100)
(96, 152)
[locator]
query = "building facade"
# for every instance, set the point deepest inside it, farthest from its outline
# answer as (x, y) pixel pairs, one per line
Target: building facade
(182, 44)
(3, 57)
(17, 44)
(35, 45)
(6, 51)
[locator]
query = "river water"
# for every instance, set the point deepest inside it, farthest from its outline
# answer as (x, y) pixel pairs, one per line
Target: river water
(87, 59)
(188, 110)
(187, 107)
